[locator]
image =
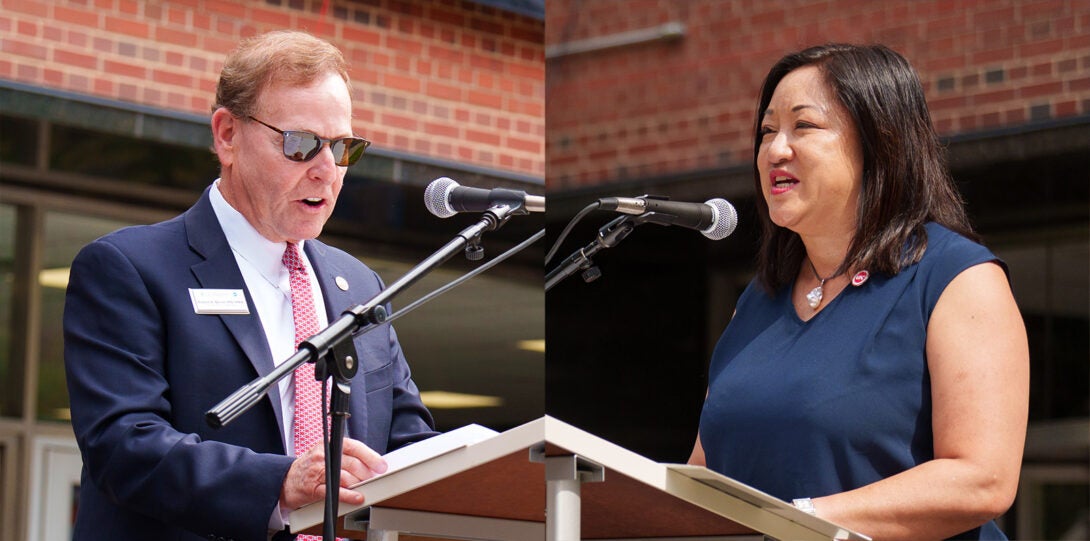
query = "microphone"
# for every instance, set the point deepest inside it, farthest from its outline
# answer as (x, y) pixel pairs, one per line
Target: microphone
(445, 198)
(714, 218)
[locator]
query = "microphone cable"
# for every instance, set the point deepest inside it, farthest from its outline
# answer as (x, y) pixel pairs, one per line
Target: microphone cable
(461, 279)
(567, 229)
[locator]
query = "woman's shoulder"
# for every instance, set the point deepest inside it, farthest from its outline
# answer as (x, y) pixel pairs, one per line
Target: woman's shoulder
(947, 255)
(946, 245)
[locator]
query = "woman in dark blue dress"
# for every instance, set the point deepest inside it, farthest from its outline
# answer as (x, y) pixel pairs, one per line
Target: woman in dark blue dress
(876, 370)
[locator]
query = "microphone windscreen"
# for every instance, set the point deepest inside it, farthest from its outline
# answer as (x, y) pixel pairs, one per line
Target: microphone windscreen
(724, 219)
(437, 197)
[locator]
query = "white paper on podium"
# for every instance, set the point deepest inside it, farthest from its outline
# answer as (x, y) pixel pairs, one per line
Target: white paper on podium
(765, 501)
(432, 447)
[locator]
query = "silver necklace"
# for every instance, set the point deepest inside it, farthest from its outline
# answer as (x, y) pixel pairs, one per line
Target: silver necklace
(815, 295)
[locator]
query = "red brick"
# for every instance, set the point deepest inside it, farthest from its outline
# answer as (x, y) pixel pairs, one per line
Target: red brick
(1044, 89)
(104, 87)
(361, 35)
(201, 21)
(79, 60)
(176, 37)
(485, 99)
(399, 82)
(1046, 9)
(124, 69)
(171, 77)
(441, 130)
(53, 33)
(993, 97)
(28, 73)
(390, 120)
(529, 71)
(78, 82)
(526, 145)
(274, 17)
(1041, 48)
(126, 26)
(1015, 116)
(235, 10)
(28, 7)
(22, 48)
(81, 17)
(993, 56)
(128, 7)
(443, 15)
(450, 55)
(410, 46)
(527, 107)
(28, 29)
(477, 136)
(993, 18)
(442, 91)
(1066, 108)
(53, 77)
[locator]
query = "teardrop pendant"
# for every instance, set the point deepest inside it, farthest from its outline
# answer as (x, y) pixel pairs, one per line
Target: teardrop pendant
(815, 295)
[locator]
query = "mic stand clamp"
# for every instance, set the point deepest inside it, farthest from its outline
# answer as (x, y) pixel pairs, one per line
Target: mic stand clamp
(609, 235)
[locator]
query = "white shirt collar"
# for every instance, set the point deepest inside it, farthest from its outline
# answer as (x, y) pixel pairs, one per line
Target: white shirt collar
(265, 255)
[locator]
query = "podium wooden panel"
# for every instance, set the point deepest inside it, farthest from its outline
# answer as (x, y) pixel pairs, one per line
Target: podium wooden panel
(497, 480)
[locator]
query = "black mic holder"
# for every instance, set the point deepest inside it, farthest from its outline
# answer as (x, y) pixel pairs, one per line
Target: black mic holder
(334, 354)
(609, 235)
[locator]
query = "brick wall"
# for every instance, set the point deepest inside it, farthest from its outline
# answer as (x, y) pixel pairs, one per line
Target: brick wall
(673, 106)
(440, 78)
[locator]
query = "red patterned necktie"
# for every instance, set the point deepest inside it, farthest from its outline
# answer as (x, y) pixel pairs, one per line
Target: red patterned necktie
(308, 392)
(306, 423)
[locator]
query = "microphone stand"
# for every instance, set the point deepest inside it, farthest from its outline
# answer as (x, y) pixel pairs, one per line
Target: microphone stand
(333, 351)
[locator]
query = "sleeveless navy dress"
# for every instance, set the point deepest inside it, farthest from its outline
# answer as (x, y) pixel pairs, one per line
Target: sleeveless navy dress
(807, 409)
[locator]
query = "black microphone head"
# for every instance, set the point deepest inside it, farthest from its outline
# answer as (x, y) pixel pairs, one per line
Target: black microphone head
(724, 219)
(437, 197)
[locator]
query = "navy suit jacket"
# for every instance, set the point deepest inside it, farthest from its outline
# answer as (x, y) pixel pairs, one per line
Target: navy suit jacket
(143, 367)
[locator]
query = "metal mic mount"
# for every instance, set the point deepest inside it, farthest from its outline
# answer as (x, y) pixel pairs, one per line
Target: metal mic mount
(609, 235)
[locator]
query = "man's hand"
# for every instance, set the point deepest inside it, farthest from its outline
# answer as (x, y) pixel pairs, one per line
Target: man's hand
(305, 482)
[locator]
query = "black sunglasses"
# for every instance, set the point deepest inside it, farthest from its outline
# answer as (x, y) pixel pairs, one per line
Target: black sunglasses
(301, 146)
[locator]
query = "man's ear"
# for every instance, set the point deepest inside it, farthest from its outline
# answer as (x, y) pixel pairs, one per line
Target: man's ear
(224, 128)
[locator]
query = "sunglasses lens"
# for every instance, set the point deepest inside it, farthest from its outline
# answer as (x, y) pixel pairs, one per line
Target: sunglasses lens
(301, 146)
(347, 151)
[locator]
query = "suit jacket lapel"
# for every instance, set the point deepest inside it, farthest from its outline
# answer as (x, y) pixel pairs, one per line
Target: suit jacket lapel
(339, 296)
(219, 270)
(337, 299)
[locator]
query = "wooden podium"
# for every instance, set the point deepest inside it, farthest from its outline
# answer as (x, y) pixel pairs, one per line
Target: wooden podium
(547, 480)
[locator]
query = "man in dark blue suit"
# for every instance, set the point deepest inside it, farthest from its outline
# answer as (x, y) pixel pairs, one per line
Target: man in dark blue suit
(164, 321)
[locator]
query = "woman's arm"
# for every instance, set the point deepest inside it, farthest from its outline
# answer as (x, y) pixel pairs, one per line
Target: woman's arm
(978, 360)
(697, 457)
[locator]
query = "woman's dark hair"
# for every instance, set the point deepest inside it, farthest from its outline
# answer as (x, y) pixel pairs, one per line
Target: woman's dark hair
(905, 180)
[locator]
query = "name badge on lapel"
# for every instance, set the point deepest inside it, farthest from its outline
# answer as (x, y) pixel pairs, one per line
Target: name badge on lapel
(219, 301)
